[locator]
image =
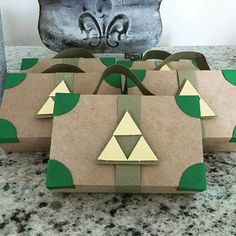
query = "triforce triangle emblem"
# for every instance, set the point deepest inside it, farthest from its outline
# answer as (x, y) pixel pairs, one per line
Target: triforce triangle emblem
(189, 90)
(47, 109)
(127, 144)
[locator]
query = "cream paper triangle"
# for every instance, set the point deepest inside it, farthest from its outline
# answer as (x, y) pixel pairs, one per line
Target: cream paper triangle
(47, 108)
(165, 68)
(112, 152)
(189, 90)
(61, 88)
(142, 152)
(127, 127)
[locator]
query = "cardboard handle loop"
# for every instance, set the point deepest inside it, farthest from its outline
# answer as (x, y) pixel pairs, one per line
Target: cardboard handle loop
(156, 55)
(199, 59)
(63, 68)
(119, 69)
(74, 53)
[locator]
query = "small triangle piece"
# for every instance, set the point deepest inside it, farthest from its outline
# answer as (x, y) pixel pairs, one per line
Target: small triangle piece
(206, 111)
(142, 152)
(61, 88)
(127, 126)
(47, 108)
(189, 90)
(112, 152)
(165, 68)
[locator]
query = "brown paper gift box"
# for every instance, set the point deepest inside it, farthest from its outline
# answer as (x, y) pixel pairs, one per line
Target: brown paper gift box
(24, 95)
(84, 126)
(218, 133)
(218, 90)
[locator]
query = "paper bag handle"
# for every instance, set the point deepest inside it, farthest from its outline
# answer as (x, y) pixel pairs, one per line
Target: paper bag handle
(194, 56)
(156, 55)
(119, 69)
(74, 53)
(63, 68)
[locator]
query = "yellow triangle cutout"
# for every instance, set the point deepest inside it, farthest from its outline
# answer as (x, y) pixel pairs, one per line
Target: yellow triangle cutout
(127, 126)
(142, 152)
(47, 108)
(165, 68)
(112, 152)
(61, 88)
(189, 90)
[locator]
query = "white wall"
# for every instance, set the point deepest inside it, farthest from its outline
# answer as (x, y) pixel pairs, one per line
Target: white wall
(185, 22)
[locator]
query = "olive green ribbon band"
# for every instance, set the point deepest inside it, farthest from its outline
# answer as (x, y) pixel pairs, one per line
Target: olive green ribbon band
(156, 55)
(74, 53)
(68, 78)
(128, 176)
(198, 58)
(63, 68)
(119, 69)
(183, 75)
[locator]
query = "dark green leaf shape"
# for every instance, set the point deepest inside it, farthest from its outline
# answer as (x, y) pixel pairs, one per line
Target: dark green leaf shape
(193, 179)
(126, 63)
(108, 61)
(190, 105)
(28, 63)
(140, 75)
(233, 140)
(8, 133)
(58, 176)
(64, 103)
(230, 76)
(13, 79)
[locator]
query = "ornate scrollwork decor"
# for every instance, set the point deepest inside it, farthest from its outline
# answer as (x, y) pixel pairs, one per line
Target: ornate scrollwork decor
(100, 30)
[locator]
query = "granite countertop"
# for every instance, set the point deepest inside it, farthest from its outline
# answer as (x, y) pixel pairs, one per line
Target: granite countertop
(28, 208)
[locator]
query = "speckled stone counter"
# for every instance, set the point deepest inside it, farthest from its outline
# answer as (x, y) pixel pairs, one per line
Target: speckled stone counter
(28, 208)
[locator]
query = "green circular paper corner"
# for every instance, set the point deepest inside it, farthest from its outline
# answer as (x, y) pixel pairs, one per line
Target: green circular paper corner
(190, 105)
(13, 79)
(195, 63)
(58, 176)
(140, 74)
(193, 179)
(64, 103)
(127, 63)
(28, 63)
(108, 61)
(230, 76)
(233, 140)
(8, 132)
(114, 80)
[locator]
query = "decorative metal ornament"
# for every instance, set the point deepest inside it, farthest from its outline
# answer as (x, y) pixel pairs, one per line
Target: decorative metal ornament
(100, 25)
